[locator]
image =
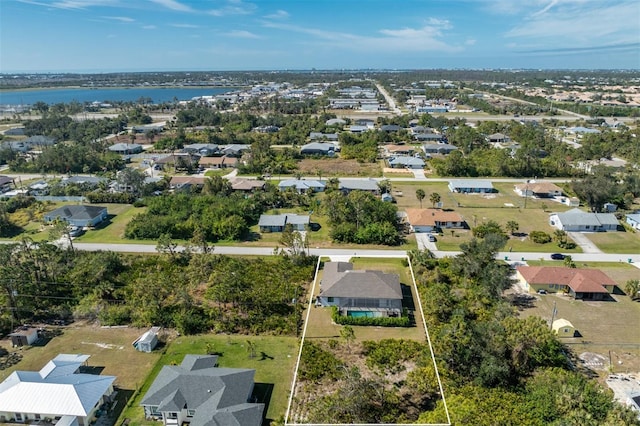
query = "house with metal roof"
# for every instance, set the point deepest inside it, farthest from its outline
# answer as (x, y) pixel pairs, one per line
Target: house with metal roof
(576, 220)
(79, 216)
(633, 220)
(126, 148)
(319, 136)
(302, 185)
(470, 186)
(6, 183)
(277, 222)
(367, 185)
(408, 162)
(201, 394)
(438, 148)
(374, 292)
(318, 148)
(58, 390)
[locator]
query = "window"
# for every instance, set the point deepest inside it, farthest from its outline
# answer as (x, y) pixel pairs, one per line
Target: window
(19, 417)
(172, 415)
(329, 299)
(191, 413)
(37, 417)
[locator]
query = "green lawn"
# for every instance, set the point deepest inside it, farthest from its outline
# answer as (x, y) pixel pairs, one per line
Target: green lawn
(274, 362)
(616, 242)
(113, 230)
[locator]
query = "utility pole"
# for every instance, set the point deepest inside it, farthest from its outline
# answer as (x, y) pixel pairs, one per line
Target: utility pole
(553, 314)
(526, 193)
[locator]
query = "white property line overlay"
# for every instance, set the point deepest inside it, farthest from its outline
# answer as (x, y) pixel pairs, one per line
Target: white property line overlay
(304, 333)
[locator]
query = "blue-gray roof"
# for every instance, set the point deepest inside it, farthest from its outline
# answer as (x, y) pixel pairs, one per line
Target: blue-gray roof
(470, 183)
(301, 184)
(405, 160)
(359, 185)
(283, 219)
(76, 212)
(576, 217)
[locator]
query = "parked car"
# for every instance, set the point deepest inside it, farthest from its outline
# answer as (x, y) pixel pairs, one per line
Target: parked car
(558, 256)
(432, 238)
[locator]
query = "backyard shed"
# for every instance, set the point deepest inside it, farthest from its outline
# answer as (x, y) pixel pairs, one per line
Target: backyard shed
(24, 336)
(563, 328)
(148, 341)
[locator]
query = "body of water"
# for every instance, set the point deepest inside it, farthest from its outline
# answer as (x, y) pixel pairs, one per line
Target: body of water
(82, 95)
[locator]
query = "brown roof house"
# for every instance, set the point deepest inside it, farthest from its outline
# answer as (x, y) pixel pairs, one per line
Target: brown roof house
(360, 292)
(588, 284)
(538, 189)
(433, 220)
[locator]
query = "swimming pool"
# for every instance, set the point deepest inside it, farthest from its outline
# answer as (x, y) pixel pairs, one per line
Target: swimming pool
(361, 314)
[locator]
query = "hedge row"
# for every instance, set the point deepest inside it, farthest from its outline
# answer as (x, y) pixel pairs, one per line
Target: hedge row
(402, 321)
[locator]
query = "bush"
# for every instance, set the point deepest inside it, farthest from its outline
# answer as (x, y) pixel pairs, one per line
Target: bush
(110, 197)
(402, 321)
(540, 237)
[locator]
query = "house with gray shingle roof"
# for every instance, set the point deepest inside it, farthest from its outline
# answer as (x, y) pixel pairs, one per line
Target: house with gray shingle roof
(367, 185)
(374, 292)
(402, 161)
(80, 216)
(202, 394)
(633, 220)
(576, 220)
(302, 185)
(126, 148)
(277, 222)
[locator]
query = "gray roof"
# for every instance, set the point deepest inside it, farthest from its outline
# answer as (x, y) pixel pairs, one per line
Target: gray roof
(318, 146)
(83, 179)
(301, 184)
(125, 147)
(359, 184)
(440, 147)
(635, 217)
(407, 161)
(283, 219)
(343, 281)
(39, 140)
(218, 395)
(579, 217)
(77, 212)
(470, 183)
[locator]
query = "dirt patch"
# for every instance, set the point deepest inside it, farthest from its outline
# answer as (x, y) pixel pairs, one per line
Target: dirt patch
(593, 361)
(328, 167)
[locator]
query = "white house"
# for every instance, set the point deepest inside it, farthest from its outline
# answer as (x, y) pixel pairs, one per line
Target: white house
(634, 220)
(471, 186)
(576, 220)
(58, 390)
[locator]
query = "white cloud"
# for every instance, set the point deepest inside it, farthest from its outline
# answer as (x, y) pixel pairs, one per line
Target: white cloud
(173, 5)
(120, 18)
(72, 4)
(234, 7)
(427, 38)
(184, 26)
(242, 34)
(470, 42)
(280, 14)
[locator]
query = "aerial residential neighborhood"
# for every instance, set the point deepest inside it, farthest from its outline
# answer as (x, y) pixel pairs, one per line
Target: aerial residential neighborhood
(251, 213)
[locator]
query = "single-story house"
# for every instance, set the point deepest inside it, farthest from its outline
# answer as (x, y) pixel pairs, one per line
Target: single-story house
(24, 336)
(354, 128)
(203, 149)
(318, 148)
(178, 160)
(148, 341)
(6, 183)
(91, 181)
(429, 137)
(16, 131)
(223, 162)
(266, 129)
(144, 128)
(465, 186)
(235, 150)
(433, 220)
(563, 328)
(393, 150)
(402, 161)
(634, 220)
(591, 284)
(580, 130)
(538, 189)
(39, 140)
(374, 292)
(58, 390)
(576, 220)
(246, 185)
(302, 185)
(79, 216)
(182, 182)
(201, 394)
(390, 128)
(277, 222)
(319, 136)
(368, 185)
(438, 148)
(126, 148)
(498, 138)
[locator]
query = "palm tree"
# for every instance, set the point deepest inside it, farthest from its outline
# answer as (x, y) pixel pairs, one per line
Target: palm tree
(435, 199)
(560, 236)
(420, 195)
(632, 288)
(512, 226)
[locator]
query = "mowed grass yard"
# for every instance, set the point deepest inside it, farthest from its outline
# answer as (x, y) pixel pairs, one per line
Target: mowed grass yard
(274, 362)
(501, 207)
(320, 325)
(338, 167)
(113, 230)
(616, 242)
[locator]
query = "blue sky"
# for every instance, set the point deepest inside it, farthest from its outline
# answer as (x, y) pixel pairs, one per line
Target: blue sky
(148, 35)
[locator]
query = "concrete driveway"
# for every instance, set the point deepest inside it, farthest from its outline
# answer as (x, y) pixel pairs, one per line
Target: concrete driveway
(424, 243)
(585, 243)
(418, 174)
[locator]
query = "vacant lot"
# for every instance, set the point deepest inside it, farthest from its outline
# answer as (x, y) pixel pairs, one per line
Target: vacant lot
(337, 167)
(112, 231)
(273, 359)
(616, 242)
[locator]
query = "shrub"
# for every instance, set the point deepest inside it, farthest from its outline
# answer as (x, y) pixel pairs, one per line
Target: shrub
(540, 237)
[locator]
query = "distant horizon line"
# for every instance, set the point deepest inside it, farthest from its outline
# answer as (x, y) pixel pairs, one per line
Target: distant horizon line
(307, 70)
